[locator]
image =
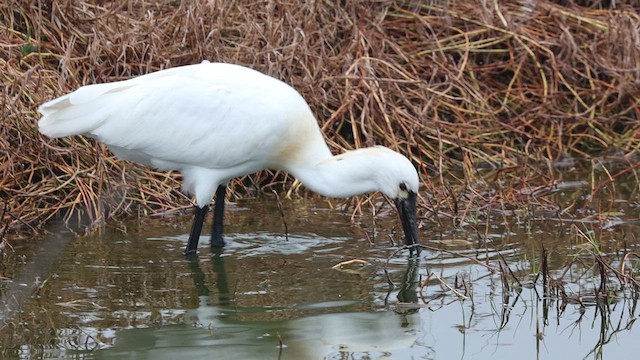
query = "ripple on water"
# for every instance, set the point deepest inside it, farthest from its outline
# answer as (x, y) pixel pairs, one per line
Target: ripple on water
(264, 243)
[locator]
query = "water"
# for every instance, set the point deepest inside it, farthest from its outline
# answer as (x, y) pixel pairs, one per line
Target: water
(128, 292)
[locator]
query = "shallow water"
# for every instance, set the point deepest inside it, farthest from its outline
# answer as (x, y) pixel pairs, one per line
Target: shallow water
(130, 293)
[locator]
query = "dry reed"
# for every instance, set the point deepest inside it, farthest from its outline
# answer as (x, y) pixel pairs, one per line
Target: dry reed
(454, 85)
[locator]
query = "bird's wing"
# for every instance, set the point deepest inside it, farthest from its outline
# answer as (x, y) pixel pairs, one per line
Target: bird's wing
(77, 113)
(198, 115)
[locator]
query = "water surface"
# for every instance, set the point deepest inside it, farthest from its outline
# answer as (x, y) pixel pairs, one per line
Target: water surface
(128, 292)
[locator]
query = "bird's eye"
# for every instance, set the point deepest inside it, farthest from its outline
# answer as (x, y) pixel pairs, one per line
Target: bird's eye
(403, 187)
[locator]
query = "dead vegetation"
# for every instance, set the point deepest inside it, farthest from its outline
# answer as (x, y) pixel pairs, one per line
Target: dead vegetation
(458, 85)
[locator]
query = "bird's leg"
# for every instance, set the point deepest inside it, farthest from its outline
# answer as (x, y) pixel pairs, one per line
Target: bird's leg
(218, 215)
(196, 228)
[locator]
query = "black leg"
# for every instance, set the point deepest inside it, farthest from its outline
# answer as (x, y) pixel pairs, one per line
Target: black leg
(196, 229)
(218, 216)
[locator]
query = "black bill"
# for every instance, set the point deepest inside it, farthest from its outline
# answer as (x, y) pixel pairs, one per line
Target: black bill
(407, 210)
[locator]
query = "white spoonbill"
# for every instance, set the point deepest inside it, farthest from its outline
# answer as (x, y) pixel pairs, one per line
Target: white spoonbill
(214, 122)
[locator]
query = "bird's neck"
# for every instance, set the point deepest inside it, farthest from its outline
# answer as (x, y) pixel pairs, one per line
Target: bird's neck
(337, 176)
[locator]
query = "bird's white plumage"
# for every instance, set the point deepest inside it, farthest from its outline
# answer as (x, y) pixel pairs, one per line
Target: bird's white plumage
(214, 122)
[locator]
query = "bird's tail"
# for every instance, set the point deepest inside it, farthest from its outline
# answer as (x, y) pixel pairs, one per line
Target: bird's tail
(77, 113)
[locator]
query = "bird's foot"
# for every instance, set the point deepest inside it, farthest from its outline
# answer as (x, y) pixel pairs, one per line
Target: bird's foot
(217, 241)
(190, 252)
(417, 249)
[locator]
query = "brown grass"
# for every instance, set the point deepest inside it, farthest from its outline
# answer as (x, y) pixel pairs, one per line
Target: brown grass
(454, 85)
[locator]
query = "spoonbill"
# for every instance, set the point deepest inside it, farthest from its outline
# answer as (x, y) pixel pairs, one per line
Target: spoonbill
(216, 121)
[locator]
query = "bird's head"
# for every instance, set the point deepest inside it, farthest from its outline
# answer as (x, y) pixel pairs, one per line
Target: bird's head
(366, 170)
(396, 177)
